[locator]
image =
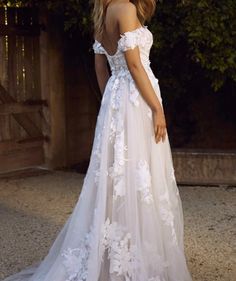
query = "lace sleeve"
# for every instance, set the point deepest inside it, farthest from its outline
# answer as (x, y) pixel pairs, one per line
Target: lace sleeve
(128, 41)
(97, 48)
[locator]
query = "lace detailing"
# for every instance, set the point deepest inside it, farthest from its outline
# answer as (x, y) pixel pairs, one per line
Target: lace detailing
(142, 238)
(143, 177)
(76, 260)
(167, 216)
(121, 251)
(117, 138)
(97, 47)
(125, 190)
(130, 39)
(141, 37)
(134, 93)
(123, 75)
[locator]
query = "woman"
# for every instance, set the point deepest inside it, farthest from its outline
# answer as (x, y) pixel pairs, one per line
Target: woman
(127, 224)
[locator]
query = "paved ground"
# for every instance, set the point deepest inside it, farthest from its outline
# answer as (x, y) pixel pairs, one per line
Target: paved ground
(33, 210)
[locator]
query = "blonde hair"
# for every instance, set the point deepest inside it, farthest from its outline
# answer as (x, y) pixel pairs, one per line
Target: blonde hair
(145, 10)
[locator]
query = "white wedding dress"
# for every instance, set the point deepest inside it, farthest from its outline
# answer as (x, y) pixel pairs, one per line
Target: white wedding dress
(127, 224)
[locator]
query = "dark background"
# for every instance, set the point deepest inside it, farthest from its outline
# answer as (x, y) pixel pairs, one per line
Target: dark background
(193, 56)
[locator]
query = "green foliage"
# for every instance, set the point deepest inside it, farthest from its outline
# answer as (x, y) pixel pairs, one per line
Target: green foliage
(201, 35)
(193, 38)
(210, 27)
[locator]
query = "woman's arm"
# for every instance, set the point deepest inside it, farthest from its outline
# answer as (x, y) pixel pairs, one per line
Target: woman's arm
(101, 70)
(127, 22)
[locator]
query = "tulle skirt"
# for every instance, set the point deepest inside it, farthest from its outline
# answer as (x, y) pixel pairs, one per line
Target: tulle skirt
(127, 224)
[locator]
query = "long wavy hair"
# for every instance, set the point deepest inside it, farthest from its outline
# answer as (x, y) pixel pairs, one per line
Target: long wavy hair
(145, 10)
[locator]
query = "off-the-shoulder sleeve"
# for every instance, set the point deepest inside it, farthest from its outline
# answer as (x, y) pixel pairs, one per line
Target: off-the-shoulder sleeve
(97, 47)
(128, 40)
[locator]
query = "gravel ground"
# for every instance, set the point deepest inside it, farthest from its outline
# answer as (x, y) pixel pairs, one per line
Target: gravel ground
(33, 210)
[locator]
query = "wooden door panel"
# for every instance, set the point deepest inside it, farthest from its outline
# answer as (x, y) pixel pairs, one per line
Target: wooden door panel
(21, 137)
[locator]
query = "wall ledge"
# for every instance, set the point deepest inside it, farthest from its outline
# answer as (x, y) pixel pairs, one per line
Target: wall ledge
(205, 167)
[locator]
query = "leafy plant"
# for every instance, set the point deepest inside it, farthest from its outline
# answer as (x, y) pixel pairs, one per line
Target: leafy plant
(193, 38)
(210, 27)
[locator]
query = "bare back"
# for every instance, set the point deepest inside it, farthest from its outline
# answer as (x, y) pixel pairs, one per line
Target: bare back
(112, 32)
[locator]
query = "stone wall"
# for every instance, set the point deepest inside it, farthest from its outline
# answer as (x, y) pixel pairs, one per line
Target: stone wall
(205, 167)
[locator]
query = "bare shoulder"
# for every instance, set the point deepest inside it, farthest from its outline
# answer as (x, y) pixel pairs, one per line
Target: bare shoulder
(127, 7)
(127, 16)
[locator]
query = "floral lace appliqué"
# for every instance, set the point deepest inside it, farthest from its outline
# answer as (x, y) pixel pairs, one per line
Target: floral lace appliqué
(134, 94)
(128, 40)
(76, 260)
(116, 171)
(97, 47)
(117, 137)
(121, 252)
(167, 215)
(143, 177)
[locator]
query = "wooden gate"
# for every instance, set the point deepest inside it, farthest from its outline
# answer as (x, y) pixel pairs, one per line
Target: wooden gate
(21, 118)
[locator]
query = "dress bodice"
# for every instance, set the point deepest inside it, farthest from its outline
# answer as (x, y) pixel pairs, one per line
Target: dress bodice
(140, 37)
